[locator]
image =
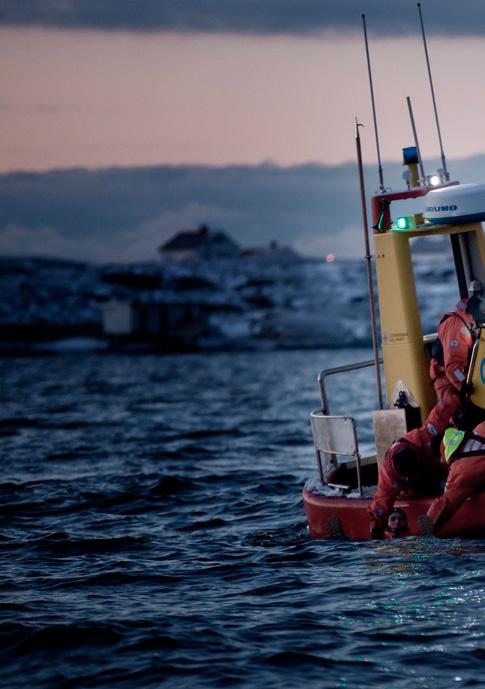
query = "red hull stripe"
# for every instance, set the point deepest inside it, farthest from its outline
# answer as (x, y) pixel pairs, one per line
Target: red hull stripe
(353, 516)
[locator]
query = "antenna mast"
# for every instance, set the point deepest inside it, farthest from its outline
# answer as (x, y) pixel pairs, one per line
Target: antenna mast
(416, 143)
(443, 161)
(368, 257)
(381, 177)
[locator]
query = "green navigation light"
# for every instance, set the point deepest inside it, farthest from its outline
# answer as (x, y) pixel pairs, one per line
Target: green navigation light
(406, 222)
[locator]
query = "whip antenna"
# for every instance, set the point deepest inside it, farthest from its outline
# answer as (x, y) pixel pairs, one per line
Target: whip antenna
(443, 161)
(368, 257)
(416, 143)
(381, 178)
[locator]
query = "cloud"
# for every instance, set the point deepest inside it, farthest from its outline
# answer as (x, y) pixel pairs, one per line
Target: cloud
(399, 17)
(141, 242)
(125, 214)
(45, 241)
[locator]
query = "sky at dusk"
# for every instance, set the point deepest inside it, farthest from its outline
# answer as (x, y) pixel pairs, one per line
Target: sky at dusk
(221, 86)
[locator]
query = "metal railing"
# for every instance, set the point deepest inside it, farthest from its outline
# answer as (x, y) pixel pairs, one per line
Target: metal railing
(338, 369)
(322, 376)
(427, 340)
(334, 436)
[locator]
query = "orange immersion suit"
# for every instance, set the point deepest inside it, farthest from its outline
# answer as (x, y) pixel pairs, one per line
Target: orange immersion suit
(424, 443)
(466, 477)
(448, 373)
(456, 333)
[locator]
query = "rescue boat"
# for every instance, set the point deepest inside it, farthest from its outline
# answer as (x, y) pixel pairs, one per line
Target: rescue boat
(337, 498)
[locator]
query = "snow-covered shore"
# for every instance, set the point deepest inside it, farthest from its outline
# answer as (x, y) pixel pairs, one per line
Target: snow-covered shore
(250, 303)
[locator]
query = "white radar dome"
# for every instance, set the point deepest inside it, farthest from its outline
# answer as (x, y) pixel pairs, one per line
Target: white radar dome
(460, 203)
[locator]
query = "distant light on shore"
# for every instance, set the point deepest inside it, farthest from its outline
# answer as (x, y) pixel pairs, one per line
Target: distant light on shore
(330, 258)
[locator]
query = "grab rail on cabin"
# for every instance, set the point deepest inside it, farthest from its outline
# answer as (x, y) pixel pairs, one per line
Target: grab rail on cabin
(332, 371)
(427, 340)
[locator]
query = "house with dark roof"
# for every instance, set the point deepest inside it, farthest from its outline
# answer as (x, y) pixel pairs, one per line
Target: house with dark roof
(203, 243)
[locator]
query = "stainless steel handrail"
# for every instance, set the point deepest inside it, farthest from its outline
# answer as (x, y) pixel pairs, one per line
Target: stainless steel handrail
(427, 339)
(338, 369)
(337, 449)
(326, 411)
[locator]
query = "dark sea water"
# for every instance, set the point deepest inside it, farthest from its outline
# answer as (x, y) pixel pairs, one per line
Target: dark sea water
(152, 535)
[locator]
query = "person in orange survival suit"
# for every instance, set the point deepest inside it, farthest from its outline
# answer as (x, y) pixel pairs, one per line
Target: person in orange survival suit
(464, 453)
(407, 471)
(451, 352)
(412, 465)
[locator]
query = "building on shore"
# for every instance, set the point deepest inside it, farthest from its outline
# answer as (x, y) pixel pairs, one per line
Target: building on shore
(170, 325)
(201, 244)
